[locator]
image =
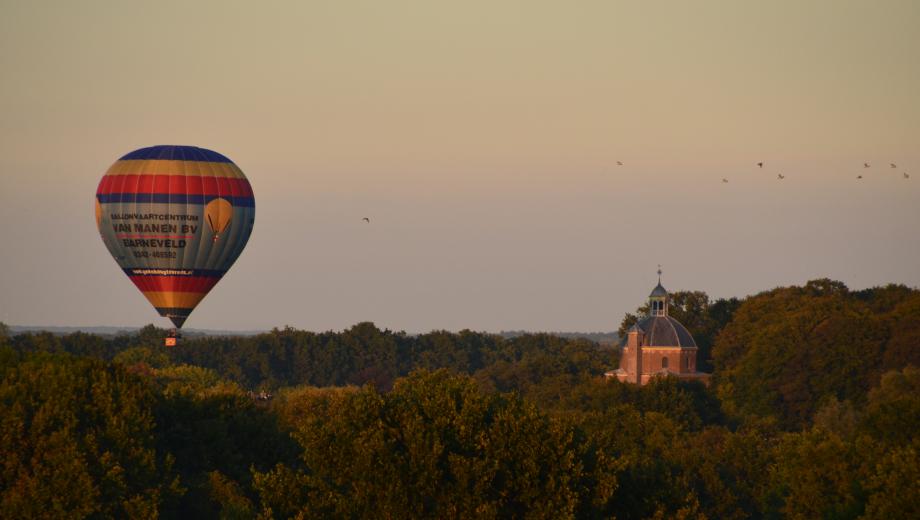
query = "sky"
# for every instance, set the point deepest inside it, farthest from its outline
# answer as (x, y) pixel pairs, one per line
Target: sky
(481, 139)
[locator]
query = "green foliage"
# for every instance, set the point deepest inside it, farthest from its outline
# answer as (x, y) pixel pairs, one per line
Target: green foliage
(76, 439)
(813, 413)
(9, 358)
(296, 404)
(892, 413)
(465, 352)
(434, 446)
(144, 356)
(284, 492)
(365, 354)
(816, 475)
(885, 299)
(37, 342)
(230, 497)
(688, 404)
(288, 357)
(787, 350)
(634, 447)
(903, 346)
(723, 470)
(190, 380)
(894, 485)
(149, 336)
(838, 417)
(77, 343)
(541, 366)
(212, 426)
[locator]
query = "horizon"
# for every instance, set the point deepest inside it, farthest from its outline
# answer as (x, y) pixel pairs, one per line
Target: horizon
(206, 331)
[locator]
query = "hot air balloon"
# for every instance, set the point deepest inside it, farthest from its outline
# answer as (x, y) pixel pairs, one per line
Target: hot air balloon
(175, 218)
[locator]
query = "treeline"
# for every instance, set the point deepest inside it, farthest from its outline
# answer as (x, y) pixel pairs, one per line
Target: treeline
(814, 411)
(360, 355)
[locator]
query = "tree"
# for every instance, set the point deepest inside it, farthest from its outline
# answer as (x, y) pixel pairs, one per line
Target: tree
(817, 474)
(727, 470)
(892, 413)
(150, 357)
(76, 439)
(894, 486)
(787, 350)
(218, 435)
(434, 446)
(901, 349)
(542, 367)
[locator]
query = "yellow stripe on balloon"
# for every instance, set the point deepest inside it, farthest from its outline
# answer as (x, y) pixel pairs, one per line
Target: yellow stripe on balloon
(188, 168)
(98, 215)
(170, 299)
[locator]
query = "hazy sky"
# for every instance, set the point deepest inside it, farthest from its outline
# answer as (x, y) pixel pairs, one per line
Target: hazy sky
(481, 139)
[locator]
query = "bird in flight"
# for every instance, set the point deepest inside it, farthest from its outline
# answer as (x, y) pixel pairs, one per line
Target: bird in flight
(760, 164)
(724, 180)
(865, 165)
(366, 220)
(906, 176)
(893, 165)
(781, 176)
(619, 163)
(859, 176)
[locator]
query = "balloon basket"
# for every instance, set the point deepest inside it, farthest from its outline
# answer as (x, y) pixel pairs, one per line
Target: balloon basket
(172, 338)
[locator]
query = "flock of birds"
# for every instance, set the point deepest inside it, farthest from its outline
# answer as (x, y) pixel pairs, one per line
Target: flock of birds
(893, 165)
(760, 164)
(780, 176)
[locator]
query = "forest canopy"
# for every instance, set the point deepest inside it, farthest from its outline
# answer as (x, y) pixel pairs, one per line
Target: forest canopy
(813, 411)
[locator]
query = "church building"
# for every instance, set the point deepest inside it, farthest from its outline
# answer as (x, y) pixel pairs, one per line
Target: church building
(658, 345)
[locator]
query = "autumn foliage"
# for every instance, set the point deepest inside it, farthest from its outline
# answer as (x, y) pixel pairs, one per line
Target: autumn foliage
(813, 413)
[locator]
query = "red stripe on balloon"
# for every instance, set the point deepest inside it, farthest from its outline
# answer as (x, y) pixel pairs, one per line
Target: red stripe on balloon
(188, 185)
(198, 284)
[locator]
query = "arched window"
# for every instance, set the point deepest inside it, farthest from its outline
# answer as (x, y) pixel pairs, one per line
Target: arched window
(664, 362)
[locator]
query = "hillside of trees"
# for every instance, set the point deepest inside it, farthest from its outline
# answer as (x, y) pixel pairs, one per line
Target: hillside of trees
(813, 412)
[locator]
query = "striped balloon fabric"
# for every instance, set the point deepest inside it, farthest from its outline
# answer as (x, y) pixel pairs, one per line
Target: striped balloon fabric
(175, 218)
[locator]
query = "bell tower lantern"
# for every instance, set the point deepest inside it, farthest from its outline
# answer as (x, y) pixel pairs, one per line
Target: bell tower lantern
(658, 300)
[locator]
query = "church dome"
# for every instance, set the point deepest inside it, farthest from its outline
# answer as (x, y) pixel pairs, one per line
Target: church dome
(657, 345)
(665, 331)
(658, 291)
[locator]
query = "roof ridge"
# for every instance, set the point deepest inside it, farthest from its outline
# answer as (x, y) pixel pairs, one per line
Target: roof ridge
(651, 333)
(676, 335)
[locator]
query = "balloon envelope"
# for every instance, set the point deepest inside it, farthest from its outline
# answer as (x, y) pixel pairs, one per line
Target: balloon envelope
(175, 218)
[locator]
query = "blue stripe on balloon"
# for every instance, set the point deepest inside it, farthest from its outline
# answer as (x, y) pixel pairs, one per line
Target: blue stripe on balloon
(172, 271)
(176, 153)
(173, 198)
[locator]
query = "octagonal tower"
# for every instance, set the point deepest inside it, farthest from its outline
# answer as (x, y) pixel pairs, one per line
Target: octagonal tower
(658, 345)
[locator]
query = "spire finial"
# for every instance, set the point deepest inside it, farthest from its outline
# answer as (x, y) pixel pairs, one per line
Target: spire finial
(659, 274)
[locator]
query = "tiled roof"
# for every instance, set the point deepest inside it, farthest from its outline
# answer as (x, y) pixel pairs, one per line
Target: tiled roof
(665, 331)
